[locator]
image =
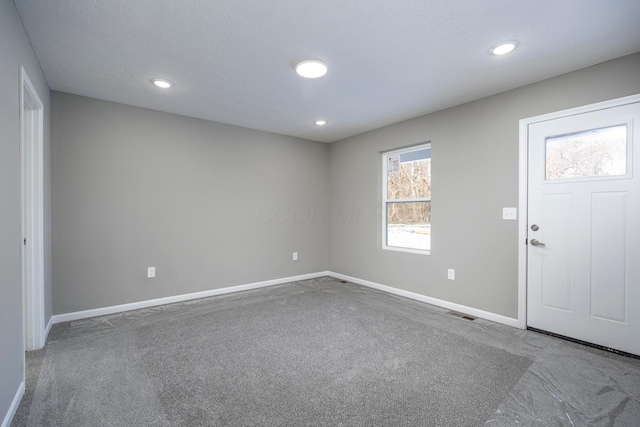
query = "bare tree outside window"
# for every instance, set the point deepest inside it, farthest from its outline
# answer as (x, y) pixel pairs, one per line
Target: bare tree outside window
(594, 153)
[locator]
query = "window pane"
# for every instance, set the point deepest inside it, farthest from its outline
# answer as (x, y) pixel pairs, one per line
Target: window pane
(597, 152)
(409, 225)
(413, 177)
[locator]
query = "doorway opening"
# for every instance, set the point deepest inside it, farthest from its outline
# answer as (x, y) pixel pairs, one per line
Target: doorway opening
(578, 239)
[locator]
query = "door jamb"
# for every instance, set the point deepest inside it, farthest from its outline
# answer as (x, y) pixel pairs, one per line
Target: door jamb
(523, 198)
(33, 329)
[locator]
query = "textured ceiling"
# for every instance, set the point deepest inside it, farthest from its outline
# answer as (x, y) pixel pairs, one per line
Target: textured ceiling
(232, 61)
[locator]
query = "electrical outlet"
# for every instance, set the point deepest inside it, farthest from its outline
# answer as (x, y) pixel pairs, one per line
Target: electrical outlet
(151, 272)
(295, 256)
(451, 274)
(510, 213)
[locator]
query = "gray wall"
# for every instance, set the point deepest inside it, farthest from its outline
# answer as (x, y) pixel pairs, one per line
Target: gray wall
(15, 50)
(209, 205)
(475, 174)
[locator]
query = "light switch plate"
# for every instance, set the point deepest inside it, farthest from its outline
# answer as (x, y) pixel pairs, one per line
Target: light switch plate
(510, 214)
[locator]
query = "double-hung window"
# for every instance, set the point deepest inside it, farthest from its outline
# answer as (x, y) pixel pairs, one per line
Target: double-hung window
(406, 199)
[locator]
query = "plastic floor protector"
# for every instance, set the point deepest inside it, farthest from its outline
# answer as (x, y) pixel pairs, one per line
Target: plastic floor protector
(324, 353)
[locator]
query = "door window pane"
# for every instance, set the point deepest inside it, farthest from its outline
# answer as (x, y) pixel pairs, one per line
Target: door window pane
(592, 153)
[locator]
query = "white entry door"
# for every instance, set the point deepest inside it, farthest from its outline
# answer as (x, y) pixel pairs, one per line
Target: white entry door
(583, 255)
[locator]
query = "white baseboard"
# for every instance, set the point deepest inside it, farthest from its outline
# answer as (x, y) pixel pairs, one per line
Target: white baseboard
(14, 406)
(433, 301)
(47, 330)
(77, 315)
(58, 318)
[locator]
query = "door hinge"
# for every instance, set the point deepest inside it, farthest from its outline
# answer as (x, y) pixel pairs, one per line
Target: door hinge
(526, 241)
(25, 241)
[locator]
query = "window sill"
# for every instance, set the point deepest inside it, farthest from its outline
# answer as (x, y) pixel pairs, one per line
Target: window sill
(409, 250)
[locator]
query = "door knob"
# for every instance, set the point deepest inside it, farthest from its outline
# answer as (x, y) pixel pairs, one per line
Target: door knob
(535, 242)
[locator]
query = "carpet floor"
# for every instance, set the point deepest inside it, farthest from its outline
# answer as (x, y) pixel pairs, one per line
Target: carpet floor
(317, 353)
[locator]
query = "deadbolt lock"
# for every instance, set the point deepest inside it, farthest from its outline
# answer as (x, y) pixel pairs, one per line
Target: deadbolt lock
(535, 227)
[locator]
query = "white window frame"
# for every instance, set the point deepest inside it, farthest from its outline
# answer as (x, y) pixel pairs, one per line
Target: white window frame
(385, 200)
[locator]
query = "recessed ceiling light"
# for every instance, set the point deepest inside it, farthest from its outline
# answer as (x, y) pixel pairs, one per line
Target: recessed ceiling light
(311, 69)
(321, 122)
(161, 83)
(503, 48)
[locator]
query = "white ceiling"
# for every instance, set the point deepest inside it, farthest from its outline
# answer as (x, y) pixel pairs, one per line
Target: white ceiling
(232, 61)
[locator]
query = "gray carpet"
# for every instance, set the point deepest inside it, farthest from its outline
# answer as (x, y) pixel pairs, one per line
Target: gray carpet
(313, 353)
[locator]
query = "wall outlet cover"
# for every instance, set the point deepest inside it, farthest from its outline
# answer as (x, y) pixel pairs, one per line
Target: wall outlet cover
(510, 214)
(151, 272)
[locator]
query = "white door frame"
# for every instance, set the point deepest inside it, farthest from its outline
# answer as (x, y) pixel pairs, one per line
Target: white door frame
(32, 214)
(523, 188)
